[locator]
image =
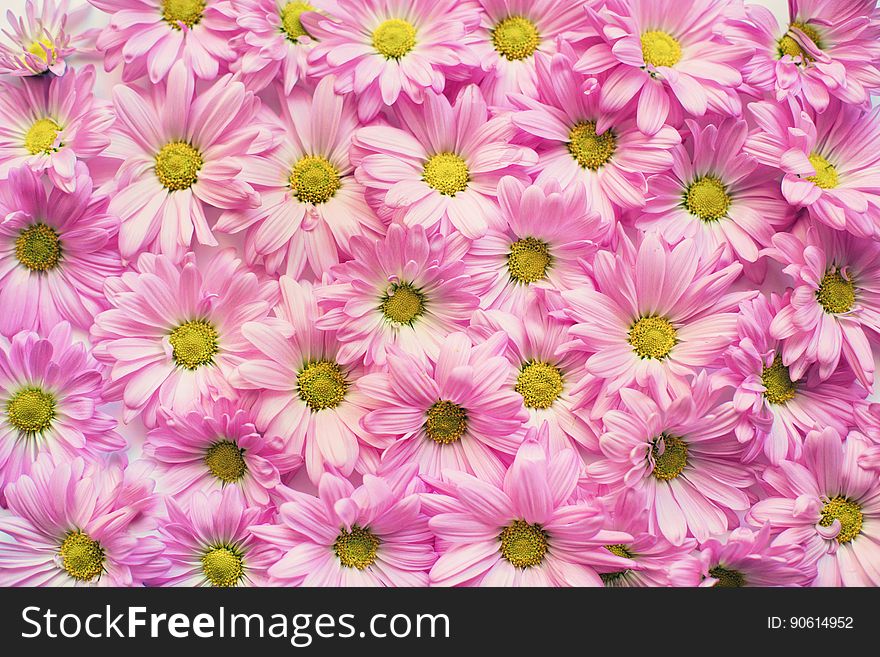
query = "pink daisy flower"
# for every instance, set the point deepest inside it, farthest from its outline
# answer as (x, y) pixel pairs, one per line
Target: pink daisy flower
(380, 49)
(272, 42)
(658, 563)
(748, 558)
(545, 233)
(546, 381)
(681, 458)
(50, 388)
(180, 152)
(510, 36)
(828, 506)
(172, 336)
(835, 302)
(457, 413)
(408, 290)
(311, 203)
(523, 532)
(74, 524)
(218, 447)
(668, 55)
(777, 407)
(307, 396)
(831, 161)
(50, 123)
(56, 249)
(829, 48)
(718, 196)
(656, 314)
(209, 543)
(149, 36)
(372, 535)
(443, 164)
(43, 38)
(580, 144)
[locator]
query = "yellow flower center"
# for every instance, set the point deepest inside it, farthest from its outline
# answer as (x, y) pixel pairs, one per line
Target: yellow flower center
(39, 48)
(660, 48)
(446, 422)
(849, 514)
(178, 165)
(321, 384)
(314, 180)
(778, 386)
(613, 579)
(223, 566)
(290, 22)
(590, 150)
(394, 38)
(81, 556)
(528, 260)
(540, 384)
(31, 411)
(836, 294)
(356, 548)
(727, 578)
(707, 198)
(788, 45)
(194, 344)
(515, 38)
(672, 461)
(652, 337)
(403, 303)
(826, 174)
(40, 138)
(522, 544)
(38, 248)
(225, 460)
(188, 12)
(447, 173)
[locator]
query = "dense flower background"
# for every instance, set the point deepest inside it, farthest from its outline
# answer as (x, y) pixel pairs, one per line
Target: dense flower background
(439, 292)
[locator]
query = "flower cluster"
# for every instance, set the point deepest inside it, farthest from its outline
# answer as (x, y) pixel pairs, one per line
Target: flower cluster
(440, 292)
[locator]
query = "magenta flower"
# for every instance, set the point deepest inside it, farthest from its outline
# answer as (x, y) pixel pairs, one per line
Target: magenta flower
(831, 161)
(306, 396)
(546, 232)
(56, 250)
(748, 558)
(656, 314)
(510, 36)
(834, 304)
(456, 413)
(828, 506)
(681, 459)
(778, 407)
(718, 196)
(50, 123)
(409, 290)
(443, 164)
(523, 531)
(382, 49)
(172, 336)
(209, 542)
(74, 524)
(828, 49)
(43, 39)
(578, 143)
(50, 391)
(311, 203)
(180, 151)
(664, 57)
(372, 535)
(215, 448)
(148, 36)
